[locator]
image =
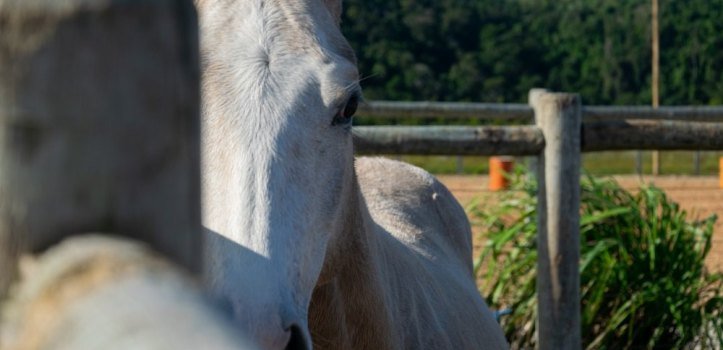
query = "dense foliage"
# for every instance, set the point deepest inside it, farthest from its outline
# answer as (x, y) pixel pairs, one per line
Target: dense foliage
(643, 281)
(496, 50)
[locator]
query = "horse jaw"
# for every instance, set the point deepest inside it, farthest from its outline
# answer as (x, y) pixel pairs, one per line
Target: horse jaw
(275, 167)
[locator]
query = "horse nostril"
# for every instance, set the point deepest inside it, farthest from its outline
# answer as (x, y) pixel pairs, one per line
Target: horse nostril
(297, 341)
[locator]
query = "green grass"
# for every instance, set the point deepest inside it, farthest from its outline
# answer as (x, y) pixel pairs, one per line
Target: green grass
(671, 162)
(599, 163)
(643, 280)
(472, 165)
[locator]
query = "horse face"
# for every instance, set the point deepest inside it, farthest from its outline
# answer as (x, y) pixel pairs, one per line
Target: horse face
(279, 89)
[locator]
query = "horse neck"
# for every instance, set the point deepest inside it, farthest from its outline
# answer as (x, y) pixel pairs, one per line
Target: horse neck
(353, 296)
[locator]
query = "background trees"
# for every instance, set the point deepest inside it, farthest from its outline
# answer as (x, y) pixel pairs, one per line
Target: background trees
(496, 50)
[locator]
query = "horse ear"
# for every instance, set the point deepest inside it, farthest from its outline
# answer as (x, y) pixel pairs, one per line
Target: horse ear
(334, 7)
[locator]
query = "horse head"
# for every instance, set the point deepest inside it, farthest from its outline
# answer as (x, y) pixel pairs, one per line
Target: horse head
(280, 86)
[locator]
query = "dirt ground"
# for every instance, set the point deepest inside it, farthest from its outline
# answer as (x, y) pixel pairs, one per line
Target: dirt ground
(700, 196)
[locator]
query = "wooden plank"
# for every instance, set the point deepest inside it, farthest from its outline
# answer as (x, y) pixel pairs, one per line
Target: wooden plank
(458, 140)
(99, 122)
(528, 140)
(650, 135)
(663, 113)
(558, 240)
(450, 110)
(520, 112)
(97, 292)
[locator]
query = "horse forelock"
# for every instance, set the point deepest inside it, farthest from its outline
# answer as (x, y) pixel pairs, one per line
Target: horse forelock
(278, 28)
(257, 50)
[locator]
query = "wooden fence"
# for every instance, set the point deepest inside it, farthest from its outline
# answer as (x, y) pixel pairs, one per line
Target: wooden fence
(99, 103)
(603, 128)
(522, 112)
(562, 129)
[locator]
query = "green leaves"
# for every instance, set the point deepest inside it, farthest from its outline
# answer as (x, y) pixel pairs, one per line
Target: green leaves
(496, 50)
(643, 278)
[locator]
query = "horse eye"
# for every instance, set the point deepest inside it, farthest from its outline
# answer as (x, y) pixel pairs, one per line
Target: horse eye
(345, 114)
(351, 105)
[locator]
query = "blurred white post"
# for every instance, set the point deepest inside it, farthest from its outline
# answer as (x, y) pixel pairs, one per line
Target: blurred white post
(95, 292)
(558, 281)
(99, 106)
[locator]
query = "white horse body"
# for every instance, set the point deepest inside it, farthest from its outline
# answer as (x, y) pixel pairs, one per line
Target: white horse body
(386, 253)
(405, 279)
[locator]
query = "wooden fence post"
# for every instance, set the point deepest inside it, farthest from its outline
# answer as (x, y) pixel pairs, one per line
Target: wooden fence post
(558, 280)
(99, 107)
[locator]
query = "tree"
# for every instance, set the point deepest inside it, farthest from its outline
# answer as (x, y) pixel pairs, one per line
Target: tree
(496, 50)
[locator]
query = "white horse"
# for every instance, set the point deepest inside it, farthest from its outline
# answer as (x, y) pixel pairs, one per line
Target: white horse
(305, 246)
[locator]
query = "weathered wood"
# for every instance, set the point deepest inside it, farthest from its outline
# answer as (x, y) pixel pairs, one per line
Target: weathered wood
(99, 124)
(664, 113)
(651, 135)
(528, 140)
(558, 236)
(520, 112)
(458, 140)
(451, 110)
(95, 292)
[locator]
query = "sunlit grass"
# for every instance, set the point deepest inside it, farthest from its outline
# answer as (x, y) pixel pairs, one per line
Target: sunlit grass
(643, 279)
(599, 163)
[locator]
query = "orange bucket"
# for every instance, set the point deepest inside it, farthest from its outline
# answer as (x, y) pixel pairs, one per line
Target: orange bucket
(499, 168)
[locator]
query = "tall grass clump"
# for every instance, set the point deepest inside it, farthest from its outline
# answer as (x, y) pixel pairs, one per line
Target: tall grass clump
(644, 284)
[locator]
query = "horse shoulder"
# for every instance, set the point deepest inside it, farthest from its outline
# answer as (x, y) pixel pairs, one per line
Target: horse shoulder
(427, 253)
(416, 208)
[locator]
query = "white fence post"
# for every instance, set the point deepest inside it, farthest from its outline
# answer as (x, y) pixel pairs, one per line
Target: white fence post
(99, 107)
(98, 292)
(558, 280)
(100, 124)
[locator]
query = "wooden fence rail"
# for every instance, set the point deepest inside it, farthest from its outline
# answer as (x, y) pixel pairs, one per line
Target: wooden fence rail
(522, 112)
(528, 140)
(441, 140)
